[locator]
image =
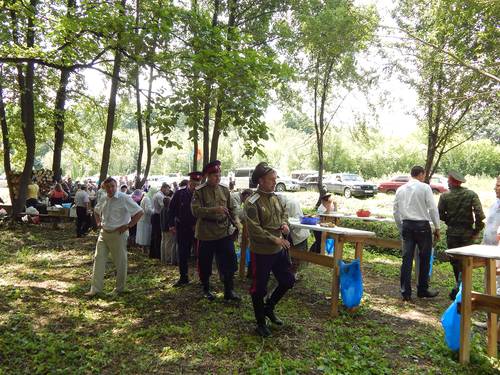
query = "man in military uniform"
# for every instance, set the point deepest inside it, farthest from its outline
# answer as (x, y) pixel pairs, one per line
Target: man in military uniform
(182, 222)
(461, 210)
(212, 206)
(267, 223)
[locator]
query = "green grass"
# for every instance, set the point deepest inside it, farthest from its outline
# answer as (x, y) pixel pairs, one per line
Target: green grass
(48, 326)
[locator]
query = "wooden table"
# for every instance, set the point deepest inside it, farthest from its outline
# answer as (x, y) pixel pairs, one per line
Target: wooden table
(471, 257)
(340, 235)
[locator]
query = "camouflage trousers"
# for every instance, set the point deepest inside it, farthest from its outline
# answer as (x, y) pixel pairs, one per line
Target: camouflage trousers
(453, 242)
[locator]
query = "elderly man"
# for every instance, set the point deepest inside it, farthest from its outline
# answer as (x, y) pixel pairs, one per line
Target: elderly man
(414, 208)
(157, 202)
(214, 210)
(181, 222)
(115, 214)
(267, 224)
(461, 210)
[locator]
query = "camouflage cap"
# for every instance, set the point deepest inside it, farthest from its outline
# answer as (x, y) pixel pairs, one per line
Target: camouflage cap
(456, 176)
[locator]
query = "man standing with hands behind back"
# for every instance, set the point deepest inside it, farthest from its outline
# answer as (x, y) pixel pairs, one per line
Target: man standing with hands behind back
(115, 214)
(414, 208)
(267, 222)
(462, 212)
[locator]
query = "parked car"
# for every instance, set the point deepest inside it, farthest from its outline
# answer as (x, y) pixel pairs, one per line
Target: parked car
(310, 183)
(439, 184)
(300, 175)
(350, 185)
(243, 177)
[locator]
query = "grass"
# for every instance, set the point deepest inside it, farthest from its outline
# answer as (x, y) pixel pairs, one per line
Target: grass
(48, 326)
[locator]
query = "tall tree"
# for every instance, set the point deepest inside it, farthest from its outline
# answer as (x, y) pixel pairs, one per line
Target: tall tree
(332, 34)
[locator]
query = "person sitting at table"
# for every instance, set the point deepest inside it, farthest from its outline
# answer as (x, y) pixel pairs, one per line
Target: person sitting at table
(57, 195)
(32, 194)
(327, 205)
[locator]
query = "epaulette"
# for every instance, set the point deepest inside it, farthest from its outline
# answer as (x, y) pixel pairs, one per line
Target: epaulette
(224, 185)
(201, 186)
(254, 198)
(182, 188)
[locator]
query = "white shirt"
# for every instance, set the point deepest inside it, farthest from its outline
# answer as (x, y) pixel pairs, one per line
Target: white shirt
(158, 202)
(116, 211)
(147, 208)
(492, 227)
(293, 209)
(415, 201)
(81, 198)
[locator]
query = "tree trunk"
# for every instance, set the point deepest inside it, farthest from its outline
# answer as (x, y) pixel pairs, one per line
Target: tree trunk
(110, 122)
(148, 127)
(195, 147)
(5, 140)
(138, 105)
(216, 133)
(59, 113)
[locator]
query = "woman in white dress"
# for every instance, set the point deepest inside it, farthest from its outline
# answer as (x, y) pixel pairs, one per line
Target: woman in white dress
(143, 235)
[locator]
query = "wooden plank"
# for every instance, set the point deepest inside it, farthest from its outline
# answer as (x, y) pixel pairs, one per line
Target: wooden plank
(479, 262)
(383, 242)
(485, 302)
(358, 251)
(491, 289)
(324, 236)
(321, 260)
(465, 310)
(337, 255)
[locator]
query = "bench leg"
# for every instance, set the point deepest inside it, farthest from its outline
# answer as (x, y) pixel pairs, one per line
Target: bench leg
(337, 255)
(491, 289)
(465, 311)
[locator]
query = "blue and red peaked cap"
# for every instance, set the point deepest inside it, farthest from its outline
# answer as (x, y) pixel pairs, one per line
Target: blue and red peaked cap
(195, 176)
(212, 167)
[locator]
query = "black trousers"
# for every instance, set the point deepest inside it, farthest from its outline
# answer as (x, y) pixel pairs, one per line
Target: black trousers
(223, 249)
(453, 242)
(185, 241)
(416, 233)
(262, 266)
(155, 250)
(82, 221)
(316, 246)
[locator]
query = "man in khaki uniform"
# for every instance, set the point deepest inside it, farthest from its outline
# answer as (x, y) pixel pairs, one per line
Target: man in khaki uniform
(267, 223)
(115, 214)
(212, 206)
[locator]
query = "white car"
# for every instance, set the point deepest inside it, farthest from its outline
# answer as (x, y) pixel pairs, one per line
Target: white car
(243, 177)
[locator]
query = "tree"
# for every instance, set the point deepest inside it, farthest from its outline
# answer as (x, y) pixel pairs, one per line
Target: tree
(331, 33)
(456, 102)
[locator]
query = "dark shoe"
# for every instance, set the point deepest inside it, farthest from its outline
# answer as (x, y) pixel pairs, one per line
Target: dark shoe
(263, 330)
(407, 299)
(453, 294)
(427, 294)
(269, 312)
(180, 282)
(231, 296)
(208, 294)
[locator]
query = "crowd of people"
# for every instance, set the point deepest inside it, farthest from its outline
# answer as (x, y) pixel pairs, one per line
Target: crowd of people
(203, 221)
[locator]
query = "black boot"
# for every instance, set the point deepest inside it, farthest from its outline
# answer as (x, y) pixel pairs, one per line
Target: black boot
(269, 312)
(229, 293)
(258, 308)
(207, 293)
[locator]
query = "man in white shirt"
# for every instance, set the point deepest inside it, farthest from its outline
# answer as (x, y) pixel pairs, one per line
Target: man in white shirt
(82, 203)
(155, 250)
(414, 208)
(491, 234)
(115, 214)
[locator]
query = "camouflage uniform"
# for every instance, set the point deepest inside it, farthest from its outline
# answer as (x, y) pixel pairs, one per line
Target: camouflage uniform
(461, 210)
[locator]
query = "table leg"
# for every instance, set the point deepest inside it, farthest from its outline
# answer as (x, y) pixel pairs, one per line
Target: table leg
(465, 310)
(491, 289)
(358, 251)
(324, 236)
(337, 255)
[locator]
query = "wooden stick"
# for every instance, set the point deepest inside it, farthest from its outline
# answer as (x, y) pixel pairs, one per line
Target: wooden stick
(465, 310)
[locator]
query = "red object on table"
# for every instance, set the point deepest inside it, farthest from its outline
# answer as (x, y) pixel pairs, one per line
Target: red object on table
(363, 213)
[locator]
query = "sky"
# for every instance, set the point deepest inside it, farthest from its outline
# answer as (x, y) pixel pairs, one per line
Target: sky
(391, 101)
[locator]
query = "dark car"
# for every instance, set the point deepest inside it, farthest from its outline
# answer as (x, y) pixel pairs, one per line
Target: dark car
(310, 183)
(438, 184)
(350, 185)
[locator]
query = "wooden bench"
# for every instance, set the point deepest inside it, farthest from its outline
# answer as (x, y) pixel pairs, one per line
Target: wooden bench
(471, 257)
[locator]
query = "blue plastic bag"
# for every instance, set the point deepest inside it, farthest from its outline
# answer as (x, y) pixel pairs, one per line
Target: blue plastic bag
(432, 262)
(351, 283)
(451, 323)
(330, 246)
(247, 256)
